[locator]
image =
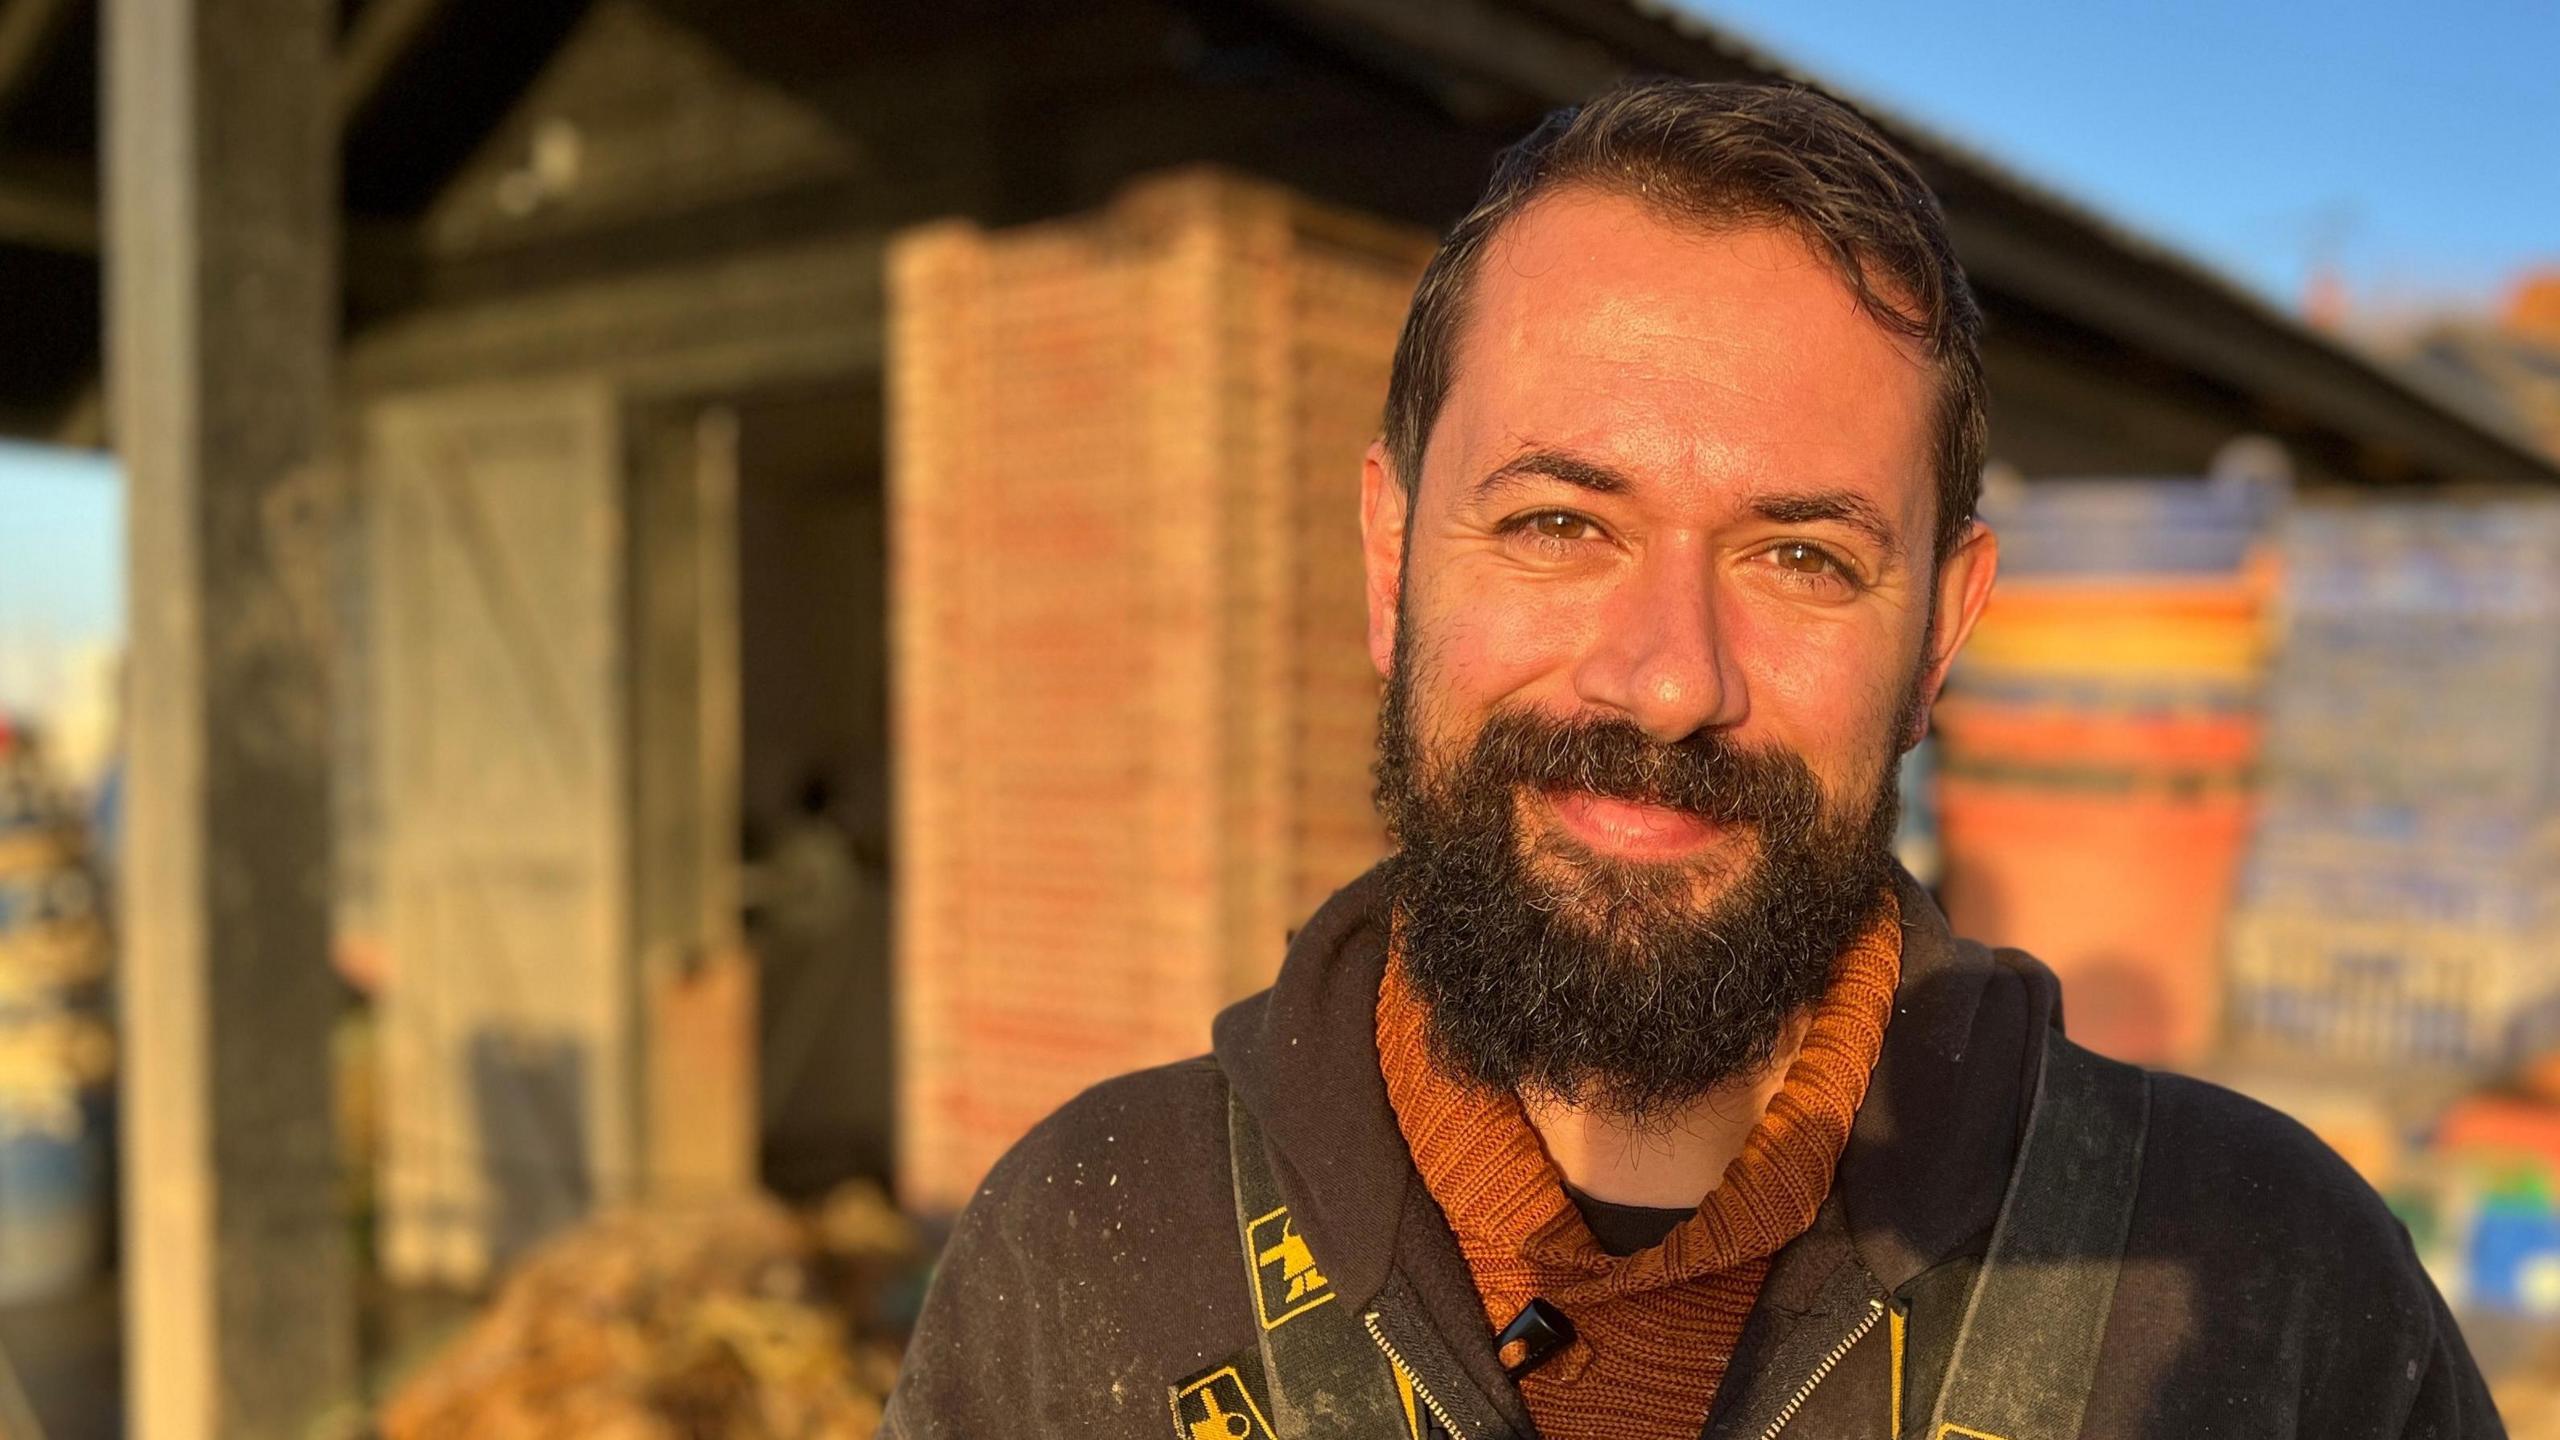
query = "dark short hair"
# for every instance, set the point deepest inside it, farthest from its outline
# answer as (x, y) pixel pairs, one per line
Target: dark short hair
(1728, 154)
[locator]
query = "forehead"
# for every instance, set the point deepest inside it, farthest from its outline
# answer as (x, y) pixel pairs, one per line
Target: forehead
(1734, 357)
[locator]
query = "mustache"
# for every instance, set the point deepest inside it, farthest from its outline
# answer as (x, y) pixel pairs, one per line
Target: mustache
(1706, 773)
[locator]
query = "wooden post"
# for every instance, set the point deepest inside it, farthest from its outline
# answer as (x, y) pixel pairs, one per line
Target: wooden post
(697, 977)
(221, 163)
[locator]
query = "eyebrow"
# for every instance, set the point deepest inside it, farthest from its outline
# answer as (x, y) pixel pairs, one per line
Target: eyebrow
(1562, 465)
(1842, 506)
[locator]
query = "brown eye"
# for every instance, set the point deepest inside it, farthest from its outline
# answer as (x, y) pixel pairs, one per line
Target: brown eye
(1559, 525)
(1802, 558)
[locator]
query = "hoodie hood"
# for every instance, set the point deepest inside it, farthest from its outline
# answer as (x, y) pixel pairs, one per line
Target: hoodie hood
(1302, 1056)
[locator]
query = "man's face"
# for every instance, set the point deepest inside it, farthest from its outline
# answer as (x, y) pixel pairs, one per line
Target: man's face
(1658, 620)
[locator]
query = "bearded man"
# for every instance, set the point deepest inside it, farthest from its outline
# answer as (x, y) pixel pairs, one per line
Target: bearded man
(1640, 1094)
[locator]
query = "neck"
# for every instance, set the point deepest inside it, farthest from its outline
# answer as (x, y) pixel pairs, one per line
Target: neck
(1669, 1162)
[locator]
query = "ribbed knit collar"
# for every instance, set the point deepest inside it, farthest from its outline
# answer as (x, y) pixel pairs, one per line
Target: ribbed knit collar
(1920, 1180)
(1483, 1162)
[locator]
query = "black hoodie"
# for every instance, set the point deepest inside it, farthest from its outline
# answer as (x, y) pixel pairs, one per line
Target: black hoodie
(2265, 1289)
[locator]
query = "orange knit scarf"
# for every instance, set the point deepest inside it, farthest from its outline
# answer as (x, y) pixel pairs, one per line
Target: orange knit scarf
(1656, 1328)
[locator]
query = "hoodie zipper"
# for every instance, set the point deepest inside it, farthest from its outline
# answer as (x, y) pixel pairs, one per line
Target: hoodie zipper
(1420, 1391)
(1830, 1362)
(1875, 1312)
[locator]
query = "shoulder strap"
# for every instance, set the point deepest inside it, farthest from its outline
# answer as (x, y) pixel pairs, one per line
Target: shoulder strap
(2028, 1346)
(1316, 1370)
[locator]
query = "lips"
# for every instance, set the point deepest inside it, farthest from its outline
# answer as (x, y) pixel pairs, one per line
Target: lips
(1631, 829)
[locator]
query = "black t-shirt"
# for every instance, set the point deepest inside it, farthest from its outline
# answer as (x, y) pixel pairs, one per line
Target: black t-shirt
(1626, 1229)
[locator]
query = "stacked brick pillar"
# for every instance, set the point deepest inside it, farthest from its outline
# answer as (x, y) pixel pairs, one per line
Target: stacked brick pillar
(1134, 708)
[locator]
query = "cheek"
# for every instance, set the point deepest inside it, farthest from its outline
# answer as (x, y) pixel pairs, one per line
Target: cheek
(1828, 690)
(1504, 646)
(1485, 642)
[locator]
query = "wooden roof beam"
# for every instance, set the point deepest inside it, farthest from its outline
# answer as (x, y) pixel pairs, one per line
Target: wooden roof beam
(41, 211)
(56, 212)
(30, 31)
(59, 211)
(383, 35)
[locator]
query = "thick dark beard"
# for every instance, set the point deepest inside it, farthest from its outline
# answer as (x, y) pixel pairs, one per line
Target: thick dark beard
(1559, 973)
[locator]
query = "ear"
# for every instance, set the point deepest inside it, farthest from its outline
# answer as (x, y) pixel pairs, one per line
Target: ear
(1964, 587)
(1383, 507)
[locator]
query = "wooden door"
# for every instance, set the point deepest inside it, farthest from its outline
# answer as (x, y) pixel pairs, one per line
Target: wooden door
(509, 1014)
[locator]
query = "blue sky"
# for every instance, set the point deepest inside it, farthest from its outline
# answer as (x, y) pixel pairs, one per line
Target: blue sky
(61, 567)
(2419, 146)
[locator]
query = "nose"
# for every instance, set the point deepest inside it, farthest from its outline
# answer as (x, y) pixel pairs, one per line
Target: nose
(1659, 657)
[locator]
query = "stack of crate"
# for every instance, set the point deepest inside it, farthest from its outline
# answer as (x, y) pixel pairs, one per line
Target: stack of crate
(2099, 739)
(57, 1042)
(1134, 705)
(2403, 900)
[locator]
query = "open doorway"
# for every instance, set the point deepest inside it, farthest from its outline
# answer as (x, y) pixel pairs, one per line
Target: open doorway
(814, 777)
